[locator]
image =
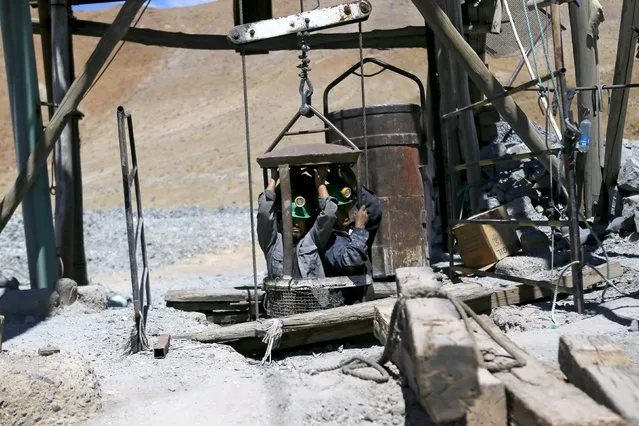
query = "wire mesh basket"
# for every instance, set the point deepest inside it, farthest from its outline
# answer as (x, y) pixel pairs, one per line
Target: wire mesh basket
(284, 297)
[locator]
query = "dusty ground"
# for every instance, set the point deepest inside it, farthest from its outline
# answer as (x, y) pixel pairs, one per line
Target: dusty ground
(212, 384)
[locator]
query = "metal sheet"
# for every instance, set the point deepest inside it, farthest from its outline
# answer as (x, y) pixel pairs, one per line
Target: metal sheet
(385, 125)
(308, 154)
(312, 20)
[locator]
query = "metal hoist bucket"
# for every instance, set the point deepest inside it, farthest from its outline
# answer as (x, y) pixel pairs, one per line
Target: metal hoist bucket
(395, 137)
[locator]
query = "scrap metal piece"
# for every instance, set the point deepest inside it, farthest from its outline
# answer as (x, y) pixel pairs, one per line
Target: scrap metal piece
(313, 20)
(161, 348)
(48, 351)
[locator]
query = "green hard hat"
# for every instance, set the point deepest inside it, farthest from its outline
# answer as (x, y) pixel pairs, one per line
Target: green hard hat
(343, 195)
(298, 208)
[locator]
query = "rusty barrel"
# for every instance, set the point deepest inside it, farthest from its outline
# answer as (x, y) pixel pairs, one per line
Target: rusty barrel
(394, 137)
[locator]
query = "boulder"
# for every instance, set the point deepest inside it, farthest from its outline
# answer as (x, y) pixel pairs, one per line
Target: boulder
(630, 211)
(534, 242)
(67, 290)
(628, 178)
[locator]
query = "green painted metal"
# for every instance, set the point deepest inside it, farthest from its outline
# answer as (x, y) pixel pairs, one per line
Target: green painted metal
(24, 97)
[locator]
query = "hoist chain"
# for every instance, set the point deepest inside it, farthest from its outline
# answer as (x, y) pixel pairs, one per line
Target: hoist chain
(306, 87)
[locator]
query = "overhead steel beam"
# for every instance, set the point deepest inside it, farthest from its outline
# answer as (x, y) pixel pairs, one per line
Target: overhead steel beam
(408, 37)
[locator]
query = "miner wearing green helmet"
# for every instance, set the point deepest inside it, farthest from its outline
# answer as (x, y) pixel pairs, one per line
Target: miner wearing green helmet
(348, 251)
(307, 246)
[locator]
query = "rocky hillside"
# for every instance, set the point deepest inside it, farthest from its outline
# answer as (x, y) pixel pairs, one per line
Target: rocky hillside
(188, 111)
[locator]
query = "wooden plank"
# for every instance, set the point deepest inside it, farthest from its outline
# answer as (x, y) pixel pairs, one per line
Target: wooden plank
(210, 295)
(602, 370)
(489, 409)
(584, 47)
(440, 349)
(539, 395)
(161, 348)
(211, 306)
(626, 48)
(38, 157)
(298, 330)
(415, 281)
(591, 278)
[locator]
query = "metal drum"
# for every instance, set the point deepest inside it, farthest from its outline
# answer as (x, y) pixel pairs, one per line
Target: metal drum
(394, 136)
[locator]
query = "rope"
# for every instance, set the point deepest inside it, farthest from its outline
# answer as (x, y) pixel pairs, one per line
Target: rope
(351, 365)
(272, 336)
(361, 65)
(248, 168)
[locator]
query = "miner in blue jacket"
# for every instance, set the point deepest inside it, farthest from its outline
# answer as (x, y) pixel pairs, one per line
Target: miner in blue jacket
(349, 248)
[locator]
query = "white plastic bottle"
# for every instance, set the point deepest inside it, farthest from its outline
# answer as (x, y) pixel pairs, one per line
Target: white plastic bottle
(584, 142)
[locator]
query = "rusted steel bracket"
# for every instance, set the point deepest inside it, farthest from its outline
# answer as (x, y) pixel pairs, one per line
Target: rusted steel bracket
(313, 20)
(161, 348)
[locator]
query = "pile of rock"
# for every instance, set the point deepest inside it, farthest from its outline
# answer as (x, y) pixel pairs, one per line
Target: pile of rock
(627, 191)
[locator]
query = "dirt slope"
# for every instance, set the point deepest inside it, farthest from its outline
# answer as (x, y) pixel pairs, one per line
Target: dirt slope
(188, 111)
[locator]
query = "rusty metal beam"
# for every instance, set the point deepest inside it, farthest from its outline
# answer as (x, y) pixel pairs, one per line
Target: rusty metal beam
(161, 348)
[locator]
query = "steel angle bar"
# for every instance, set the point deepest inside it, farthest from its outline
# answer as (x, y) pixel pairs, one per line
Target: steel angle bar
(516, 222)
(504, 159)
(539, 283)
(313, 20)
(514, 90)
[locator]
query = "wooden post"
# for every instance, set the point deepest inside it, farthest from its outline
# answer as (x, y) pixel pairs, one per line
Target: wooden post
(603, 371)
(626, 49)
(454, 42)
(436, 351)
(464, 125)
(537, 394)
(38, 157)
(584, 46)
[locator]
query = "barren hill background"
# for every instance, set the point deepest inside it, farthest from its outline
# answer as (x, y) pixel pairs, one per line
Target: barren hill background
(188, 112)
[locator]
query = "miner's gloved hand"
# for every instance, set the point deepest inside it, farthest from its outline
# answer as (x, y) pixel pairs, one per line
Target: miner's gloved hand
(361, 218)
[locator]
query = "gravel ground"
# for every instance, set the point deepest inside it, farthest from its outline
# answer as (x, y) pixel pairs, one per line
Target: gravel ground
(172, 236)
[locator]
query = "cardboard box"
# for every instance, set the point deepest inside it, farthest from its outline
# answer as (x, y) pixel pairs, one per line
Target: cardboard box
(481, 246)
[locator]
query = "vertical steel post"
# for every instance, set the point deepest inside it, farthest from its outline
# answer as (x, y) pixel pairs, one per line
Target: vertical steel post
(569, 165)
(24, 98)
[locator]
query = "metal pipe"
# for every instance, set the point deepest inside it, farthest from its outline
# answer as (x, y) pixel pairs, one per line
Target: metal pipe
(527, 223)
(540, 283)
(509, 92)
(22, 79)
(505, 158)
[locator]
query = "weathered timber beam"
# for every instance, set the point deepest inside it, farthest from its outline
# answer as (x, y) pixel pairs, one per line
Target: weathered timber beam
(38, 157)
(439, 348)
(446, 32)
(489, 409)
(537, 394)
(298, 330)
(602, 370)
(408, 37)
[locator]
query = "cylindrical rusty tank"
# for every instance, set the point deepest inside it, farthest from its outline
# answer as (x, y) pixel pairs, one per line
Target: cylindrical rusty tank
(394, 136)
